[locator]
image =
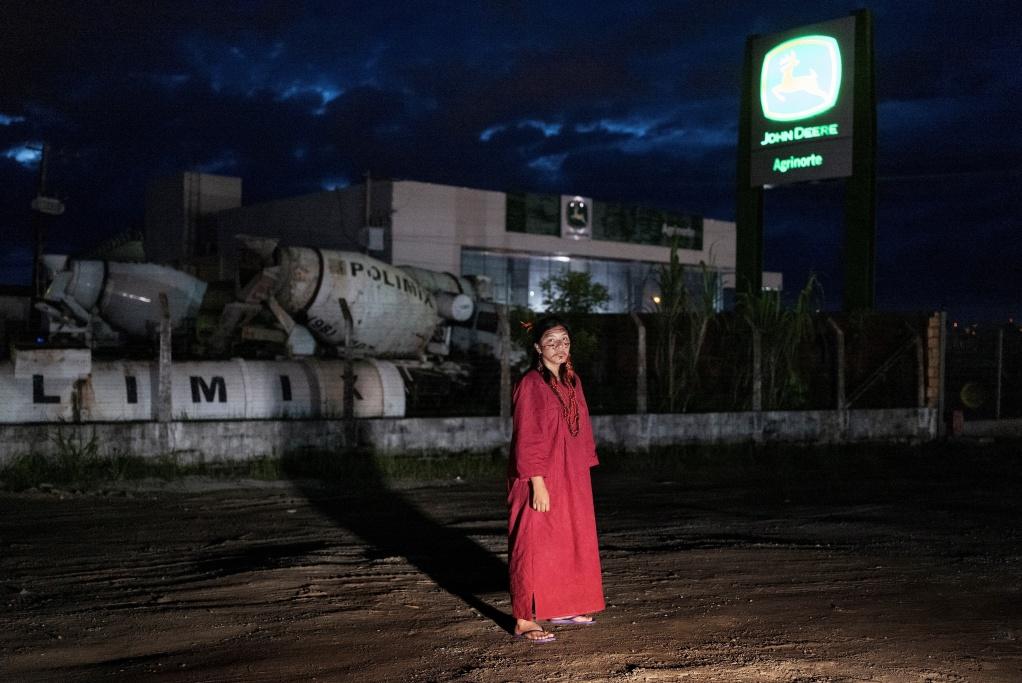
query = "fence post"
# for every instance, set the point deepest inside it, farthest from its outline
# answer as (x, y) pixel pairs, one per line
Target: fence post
(920, 373)
(839, 337)
(350, 426)
(640, 370)
(163, 395)
(1000, 369)
(933, 379)
(504, 332)
(757, 368)
(941, 426)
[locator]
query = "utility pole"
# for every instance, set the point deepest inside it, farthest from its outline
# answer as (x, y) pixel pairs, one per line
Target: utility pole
(38, 226)
(43, 206)
(368, 212)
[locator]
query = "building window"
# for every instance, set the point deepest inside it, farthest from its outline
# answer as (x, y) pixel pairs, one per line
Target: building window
(517, 278)
(537, 214)
(540, 214)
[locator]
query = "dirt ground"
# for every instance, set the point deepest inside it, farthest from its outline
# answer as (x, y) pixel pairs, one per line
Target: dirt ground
(884, 570)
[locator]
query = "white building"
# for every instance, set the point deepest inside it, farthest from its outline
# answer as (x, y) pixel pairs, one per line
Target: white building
(515, 239)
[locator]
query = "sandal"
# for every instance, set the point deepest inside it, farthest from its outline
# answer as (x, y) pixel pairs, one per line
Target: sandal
(575, 619)
(524, 635)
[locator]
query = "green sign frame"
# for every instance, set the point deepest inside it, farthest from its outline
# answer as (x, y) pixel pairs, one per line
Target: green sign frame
(803, 99)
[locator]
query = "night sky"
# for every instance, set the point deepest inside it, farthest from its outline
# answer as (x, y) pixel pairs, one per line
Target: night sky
(618, 101)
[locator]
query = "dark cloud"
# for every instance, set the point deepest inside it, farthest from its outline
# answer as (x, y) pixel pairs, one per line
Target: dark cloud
(634, 101)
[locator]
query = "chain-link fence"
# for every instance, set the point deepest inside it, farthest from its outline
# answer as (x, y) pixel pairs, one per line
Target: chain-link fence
(984, 371)
(721, 362)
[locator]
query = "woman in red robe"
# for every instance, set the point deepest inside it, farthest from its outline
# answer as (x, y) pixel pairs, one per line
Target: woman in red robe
(553, 557)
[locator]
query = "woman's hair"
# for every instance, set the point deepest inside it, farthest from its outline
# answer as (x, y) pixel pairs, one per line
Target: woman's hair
(536, 332)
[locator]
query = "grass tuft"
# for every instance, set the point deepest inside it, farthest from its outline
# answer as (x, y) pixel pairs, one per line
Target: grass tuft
(79, 466)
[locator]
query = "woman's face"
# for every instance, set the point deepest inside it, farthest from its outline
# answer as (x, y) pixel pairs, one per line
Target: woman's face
(553, 347)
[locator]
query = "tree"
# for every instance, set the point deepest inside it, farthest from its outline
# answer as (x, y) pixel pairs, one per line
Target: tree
(573, 292)
(682, 324)
(574, 295)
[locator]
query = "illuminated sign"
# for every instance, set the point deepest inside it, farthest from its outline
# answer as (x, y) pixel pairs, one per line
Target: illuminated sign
(798, 133)
(801, 124)
(808, 113)
(800, 78)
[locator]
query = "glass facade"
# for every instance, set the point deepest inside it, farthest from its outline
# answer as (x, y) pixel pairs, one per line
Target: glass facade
(539, 214)
(517, 278)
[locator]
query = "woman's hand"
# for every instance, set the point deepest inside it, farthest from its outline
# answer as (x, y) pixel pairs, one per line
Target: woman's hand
(540, 496)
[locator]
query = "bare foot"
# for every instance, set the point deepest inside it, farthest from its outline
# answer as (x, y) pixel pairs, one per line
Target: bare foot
(530, 630)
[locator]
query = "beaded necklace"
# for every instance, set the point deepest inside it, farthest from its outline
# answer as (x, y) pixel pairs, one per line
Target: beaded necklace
(569, 406)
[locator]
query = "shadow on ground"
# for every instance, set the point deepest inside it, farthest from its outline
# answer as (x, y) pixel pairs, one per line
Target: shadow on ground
(356, 497)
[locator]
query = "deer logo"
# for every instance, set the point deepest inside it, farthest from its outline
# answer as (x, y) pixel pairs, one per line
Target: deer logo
(790, 83)
(800, 78)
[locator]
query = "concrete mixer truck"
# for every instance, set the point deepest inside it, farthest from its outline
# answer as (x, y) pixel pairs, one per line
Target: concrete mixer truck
(347, 298)
(315, 298)
(308, 304)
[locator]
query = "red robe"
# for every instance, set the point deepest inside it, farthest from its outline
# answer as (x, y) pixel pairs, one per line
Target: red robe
(553, 557)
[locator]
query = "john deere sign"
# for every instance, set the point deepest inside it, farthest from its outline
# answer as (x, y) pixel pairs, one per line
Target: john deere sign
(808, 112)
(800, 78)
(802, 112)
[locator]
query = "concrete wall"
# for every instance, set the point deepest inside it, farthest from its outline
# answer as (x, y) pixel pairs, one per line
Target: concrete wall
(640, 432)
(1010, 428)
(191, 441)
(812, 426)
(173, 205)
(245, 439)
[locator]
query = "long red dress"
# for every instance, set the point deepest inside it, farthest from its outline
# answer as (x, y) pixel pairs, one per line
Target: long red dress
(553, 557)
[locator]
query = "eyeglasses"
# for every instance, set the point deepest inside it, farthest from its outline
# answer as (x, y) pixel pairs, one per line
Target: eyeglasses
(565, 343)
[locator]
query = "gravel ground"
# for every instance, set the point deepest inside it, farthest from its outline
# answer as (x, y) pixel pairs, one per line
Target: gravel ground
(897, 570)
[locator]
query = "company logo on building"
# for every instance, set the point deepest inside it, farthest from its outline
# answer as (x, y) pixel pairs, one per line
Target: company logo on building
(800, 78)
(576, 217)
(577, 213)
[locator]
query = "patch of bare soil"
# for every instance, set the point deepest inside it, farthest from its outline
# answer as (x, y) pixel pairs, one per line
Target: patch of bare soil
(905, 572)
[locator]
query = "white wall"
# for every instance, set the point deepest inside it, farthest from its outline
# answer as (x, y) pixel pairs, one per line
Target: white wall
(248, 439)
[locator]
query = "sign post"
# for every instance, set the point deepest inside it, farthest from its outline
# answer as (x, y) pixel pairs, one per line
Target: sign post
(808, 114)
(749, 213)
(860, 189)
